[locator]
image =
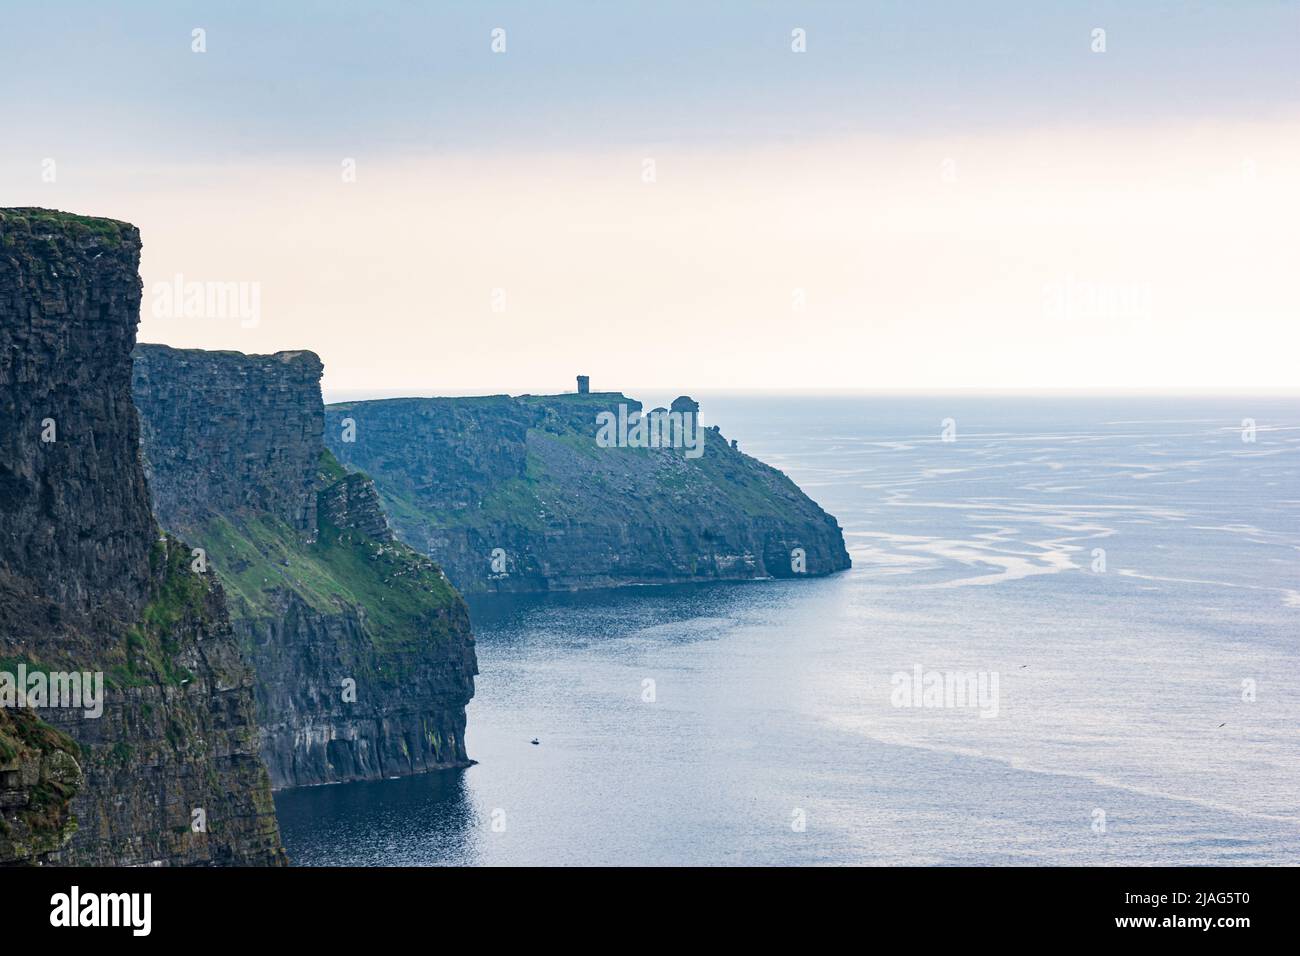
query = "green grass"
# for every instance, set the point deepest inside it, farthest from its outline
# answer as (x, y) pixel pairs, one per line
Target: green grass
(397, 587)
(256, 557)
(513, 501)
(32, 219)
(329, 466)
(568, 480)
(259, 558)
(151, 645)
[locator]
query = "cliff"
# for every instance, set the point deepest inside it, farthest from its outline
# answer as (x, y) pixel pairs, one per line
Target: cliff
(362, 650)
(168, 772)
(527, 494)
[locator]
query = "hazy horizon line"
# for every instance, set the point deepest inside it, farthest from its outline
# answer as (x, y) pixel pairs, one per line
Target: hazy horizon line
(339, 395)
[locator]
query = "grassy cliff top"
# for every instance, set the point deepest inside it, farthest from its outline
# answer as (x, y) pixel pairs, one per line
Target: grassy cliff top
(34, 219)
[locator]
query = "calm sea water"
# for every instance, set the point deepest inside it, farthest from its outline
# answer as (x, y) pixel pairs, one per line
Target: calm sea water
(773, 736)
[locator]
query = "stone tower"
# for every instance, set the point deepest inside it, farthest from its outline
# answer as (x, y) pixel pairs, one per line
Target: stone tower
(584, 384)
(689, 409)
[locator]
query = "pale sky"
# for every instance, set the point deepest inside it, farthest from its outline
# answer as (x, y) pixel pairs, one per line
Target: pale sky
(928, 198)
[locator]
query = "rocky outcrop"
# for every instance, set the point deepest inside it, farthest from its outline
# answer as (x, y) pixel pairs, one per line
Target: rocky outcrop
(362, 649)
(351, 503)
(39, 776)
(525, 494)
(169, 772)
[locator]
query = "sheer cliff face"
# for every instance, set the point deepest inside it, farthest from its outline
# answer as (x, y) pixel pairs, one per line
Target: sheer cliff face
(362, 649)
(88, 584)
(76, 512)
(271, 402)
(518, 494)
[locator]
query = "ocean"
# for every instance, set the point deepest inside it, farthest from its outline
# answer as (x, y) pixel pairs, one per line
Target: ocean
(1115, 580)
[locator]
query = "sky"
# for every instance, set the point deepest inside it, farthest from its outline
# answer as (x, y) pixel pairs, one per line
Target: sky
(930, 196)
